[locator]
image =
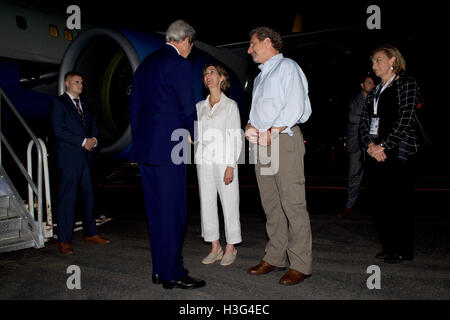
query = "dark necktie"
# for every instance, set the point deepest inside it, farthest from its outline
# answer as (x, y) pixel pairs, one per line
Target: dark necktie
(80, 112)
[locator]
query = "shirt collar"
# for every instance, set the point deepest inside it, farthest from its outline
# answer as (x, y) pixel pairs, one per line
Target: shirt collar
(173, 47)
(271, 61)
(222, 97)
(71, 96)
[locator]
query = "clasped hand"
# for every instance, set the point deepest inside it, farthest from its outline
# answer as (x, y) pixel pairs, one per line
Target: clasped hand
(376, 152)
(90, 144)
(262, 138)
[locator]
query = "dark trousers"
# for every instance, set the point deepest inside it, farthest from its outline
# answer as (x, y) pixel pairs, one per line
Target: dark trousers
(164, 189)
(390, 185)
(355, 174)
(75, 182)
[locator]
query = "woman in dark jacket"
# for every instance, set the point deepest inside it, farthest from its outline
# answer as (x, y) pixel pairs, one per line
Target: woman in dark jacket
(388, 132)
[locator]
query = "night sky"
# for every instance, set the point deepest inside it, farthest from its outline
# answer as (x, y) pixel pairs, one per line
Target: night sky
(221, 22)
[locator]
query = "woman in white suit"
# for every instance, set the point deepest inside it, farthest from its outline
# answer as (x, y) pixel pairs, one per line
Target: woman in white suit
(216, 156)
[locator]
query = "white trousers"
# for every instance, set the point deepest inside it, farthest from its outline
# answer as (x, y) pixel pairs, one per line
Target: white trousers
(210, 180)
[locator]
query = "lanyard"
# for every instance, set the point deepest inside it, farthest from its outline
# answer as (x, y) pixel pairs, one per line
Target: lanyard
(379, 92)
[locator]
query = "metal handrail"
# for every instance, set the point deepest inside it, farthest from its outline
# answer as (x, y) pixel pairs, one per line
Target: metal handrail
(37, 189)
(48, 225)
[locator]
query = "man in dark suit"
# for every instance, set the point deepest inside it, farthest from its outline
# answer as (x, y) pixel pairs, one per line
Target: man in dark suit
(355, 163)
(75, 131)
(161, 103)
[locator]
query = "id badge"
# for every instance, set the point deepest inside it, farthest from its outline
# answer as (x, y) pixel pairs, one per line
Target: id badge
(374, 124)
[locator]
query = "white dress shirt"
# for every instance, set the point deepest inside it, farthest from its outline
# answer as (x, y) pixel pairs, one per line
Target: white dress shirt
(280, 95)
(219, 132)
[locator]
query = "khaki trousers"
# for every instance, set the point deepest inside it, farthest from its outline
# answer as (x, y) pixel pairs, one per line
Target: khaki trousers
(283, 199)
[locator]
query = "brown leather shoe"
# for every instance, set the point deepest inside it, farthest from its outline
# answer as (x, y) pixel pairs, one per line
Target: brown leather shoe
(65, 248)
(293, 277)
(96, 239)
(263, 268)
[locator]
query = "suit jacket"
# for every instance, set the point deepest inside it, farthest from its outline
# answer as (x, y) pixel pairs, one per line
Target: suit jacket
(354, 117)
(69, 131)
(161, 101)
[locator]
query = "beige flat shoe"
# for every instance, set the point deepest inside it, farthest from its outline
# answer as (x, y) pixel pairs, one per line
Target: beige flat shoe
(213, 257)
(229, 258)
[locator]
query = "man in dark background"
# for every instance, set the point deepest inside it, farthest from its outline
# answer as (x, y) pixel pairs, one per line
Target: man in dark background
(353, 147)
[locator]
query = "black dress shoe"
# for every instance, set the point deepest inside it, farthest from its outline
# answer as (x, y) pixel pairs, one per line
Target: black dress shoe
(184, 283)
(381, 255)
(395, 258)
(346, 212)
(156, 279)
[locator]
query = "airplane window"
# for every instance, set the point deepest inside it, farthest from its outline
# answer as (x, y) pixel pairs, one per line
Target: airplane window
(53, 30)
(68, 34)
(21, 22)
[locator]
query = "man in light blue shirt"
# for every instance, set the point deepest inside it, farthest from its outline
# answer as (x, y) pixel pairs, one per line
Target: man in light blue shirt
(280, 101)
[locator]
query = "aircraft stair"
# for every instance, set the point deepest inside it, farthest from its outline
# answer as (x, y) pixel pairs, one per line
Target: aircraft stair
(22, 225)
(17, 228)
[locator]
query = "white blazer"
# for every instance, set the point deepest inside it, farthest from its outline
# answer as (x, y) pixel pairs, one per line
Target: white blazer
(219, 132)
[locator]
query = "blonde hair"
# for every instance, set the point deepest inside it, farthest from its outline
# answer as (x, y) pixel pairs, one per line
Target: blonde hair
(225, 84)
(399, 65)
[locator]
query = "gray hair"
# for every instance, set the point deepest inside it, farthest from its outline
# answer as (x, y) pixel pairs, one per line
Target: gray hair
(179, 30)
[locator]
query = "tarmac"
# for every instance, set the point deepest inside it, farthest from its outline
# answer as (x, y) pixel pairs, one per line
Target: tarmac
(344, 266)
